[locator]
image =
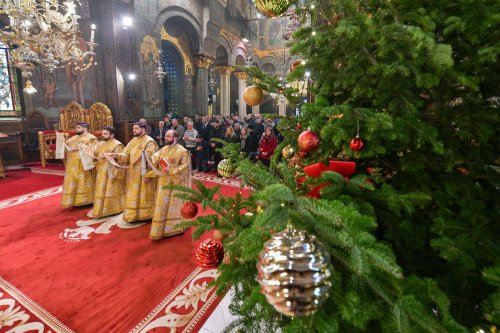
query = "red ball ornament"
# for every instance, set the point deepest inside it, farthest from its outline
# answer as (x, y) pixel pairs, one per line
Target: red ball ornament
(210, 254)
(308, 141)
(189, 210)
(357, 144)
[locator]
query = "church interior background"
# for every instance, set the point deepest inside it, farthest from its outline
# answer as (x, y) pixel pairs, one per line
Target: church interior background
(194, 40)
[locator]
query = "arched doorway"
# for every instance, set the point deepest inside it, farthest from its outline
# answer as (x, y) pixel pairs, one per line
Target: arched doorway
(173, 85)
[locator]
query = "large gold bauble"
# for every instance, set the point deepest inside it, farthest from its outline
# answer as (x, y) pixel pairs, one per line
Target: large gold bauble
(253, 95)
(272, 8)
(225, 168)
(294, 273)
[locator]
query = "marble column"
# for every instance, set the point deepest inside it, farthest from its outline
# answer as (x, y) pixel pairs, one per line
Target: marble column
(202, 63)
(256, 109)
(225, 84)
(242, 84)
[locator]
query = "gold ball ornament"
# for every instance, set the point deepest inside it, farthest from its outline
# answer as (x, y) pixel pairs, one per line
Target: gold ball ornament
(294, 273)
(272, 8)
(287, 152)
(225, 168)
(253, 95)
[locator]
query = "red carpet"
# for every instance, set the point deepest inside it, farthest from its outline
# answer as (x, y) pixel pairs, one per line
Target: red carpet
(98, 275)
(23, 181)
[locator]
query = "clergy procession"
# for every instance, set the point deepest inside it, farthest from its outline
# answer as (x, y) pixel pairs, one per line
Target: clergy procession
(129, 179)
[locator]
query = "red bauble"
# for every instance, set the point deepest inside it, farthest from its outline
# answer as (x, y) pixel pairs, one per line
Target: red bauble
(357, 144)
(189, 210)
(308, 141)
(209, 254)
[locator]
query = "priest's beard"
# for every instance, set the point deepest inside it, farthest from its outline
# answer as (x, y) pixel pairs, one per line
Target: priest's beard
(167, 143)
(104, 139)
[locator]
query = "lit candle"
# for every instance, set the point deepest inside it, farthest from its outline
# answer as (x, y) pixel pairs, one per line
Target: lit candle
(92, 33)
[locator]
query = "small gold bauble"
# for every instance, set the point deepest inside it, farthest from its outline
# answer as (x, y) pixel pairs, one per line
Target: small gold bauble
(253, 95)
(287, 152)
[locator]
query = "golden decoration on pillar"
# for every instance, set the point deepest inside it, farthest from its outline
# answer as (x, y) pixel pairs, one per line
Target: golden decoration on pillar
(253, 95)
(203, 61)
(272, 8)
(224, 70)
(241, 75)
(149, 49)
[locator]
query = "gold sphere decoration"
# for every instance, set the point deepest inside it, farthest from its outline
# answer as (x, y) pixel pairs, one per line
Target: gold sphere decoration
(225, 168)
(272, 8)
(287, 152)
(253, 95)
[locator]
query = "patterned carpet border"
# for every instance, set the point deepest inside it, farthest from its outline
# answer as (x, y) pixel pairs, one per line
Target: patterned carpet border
(232, 182)
(17, 313)
(182, 310)
(30, 197)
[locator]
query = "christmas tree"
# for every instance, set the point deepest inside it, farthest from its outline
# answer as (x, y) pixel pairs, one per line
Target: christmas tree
(413, 233)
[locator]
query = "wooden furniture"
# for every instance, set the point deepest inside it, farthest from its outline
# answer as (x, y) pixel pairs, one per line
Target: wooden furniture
(97, 116)
(11, 150)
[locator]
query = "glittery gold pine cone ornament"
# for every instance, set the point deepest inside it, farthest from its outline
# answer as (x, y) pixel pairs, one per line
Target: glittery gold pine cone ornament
(294, 273)
(272, 8)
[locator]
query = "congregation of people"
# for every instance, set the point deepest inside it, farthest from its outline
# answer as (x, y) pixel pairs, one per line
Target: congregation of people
(257, 137)
(131, 179)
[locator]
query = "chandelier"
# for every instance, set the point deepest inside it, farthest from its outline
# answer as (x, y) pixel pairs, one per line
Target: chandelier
(46, 33)
(160, 71)
(212, 83)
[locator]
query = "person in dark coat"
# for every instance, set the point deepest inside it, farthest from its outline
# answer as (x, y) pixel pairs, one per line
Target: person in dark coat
(201, 153)
(159, 133)
(205, 129)
(217, 132)
(258, 128)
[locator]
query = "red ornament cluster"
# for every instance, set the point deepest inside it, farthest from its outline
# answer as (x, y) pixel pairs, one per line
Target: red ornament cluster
(210, 254)
(189, 210)
(308, 141)
(357, 144)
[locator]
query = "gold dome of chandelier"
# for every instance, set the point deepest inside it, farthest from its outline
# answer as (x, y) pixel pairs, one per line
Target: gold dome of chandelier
(272, 8)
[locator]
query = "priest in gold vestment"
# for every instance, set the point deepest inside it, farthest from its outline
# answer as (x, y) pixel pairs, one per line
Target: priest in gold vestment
(174, 163)
(109, 195)
(78, 187)
(140, 191)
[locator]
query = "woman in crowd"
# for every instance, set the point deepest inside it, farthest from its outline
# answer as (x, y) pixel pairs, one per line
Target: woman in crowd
(229, 135)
